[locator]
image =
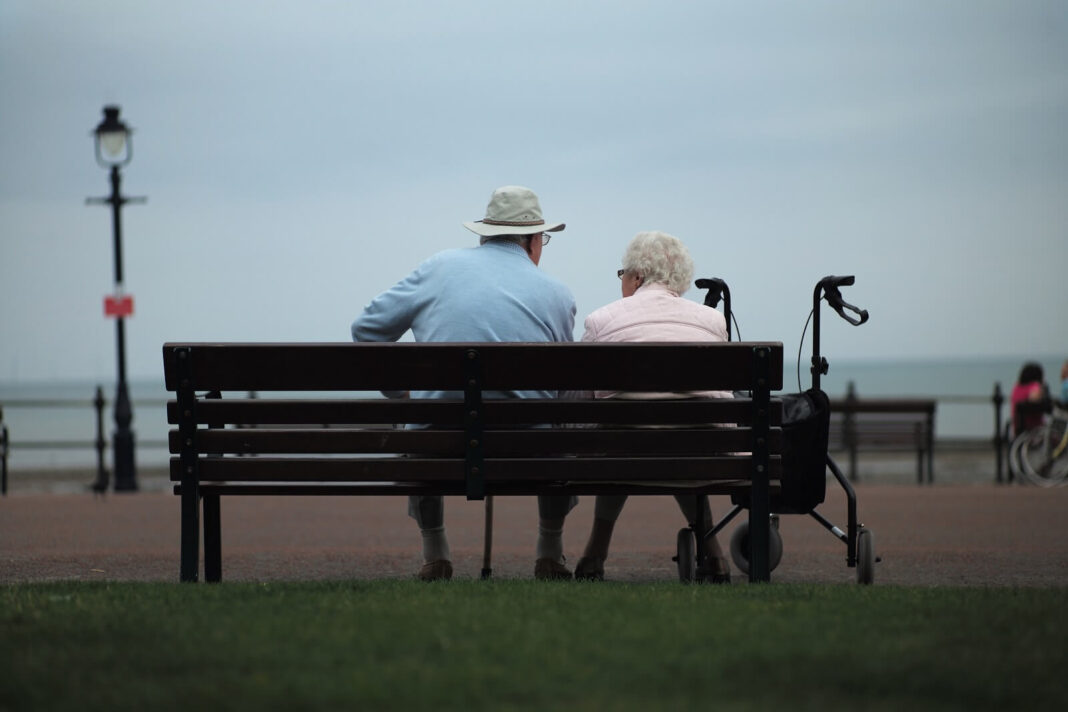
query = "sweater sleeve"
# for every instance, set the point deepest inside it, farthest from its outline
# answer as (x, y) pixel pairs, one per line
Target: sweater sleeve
(589, 328)
(389, 315)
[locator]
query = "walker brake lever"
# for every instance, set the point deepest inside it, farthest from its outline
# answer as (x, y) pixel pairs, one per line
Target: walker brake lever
(834, 299)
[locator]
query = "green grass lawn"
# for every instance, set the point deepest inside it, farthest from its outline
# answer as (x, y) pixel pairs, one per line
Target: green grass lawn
(528, 645)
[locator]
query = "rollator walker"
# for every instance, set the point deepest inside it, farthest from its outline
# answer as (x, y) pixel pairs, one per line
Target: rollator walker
(805, 429)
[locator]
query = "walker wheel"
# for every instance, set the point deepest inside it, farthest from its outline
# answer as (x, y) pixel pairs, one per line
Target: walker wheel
(865, 556)
(740, 546)
(686, 555)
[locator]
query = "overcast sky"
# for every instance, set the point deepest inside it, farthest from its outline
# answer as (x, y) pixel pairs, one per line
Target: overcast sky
(301, 157)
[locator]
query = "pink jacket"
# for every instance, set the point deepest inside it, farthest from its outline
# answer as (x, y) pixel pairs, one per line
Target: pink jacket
(655, 313)
(1026, 392)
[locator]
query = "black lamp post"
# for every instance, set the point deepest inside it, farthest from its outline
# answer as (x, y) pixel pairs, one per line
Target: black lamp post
(114, 150)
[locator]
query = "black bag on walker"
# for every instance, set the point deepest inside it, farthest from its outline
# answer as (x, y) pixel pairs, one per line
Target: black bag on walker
(805, 424)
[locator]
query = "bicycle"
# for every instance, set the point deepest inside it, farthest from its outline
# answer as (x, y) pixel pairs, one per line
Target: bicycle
(1039, 455)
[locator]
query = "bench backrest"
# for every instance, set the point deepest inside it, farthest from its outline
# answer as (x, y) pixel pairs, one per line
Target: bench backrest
(470, 439)
(658, 366)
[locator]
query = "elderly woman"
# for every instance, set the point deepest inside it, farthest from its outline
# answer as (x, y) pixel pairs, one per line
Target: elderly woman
(657, 270)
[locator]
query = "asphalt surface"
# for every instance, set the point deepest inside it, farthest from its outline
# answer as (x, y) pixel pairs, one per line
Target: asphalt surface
(942, 535)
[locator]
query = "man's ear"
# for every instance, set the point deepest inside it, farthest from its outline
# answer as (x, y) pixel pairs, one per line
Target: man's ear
(533, 248)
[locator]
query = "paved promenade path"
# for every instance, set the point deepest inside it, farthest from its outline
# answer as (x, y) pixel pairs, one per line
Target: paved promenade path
(940, 535)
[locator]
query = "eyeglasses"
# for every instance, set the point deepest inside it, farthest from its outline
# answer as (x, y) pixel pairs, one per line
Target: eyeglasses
(620, 273)
(545, 237)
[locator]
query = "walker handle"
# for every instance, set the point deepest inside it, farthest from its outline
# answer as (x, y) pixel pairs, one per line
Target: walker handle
(716, 288)
(830, 287)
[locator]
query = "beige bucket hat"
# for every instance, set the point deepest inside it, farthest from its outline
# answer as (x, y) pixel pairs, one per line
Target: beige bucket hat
(512, 210)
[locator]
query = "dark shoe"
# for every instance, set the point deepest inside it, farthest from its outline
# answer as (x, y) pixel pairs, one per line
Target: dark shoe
(551, 570)
(589, 569)
(440, 570)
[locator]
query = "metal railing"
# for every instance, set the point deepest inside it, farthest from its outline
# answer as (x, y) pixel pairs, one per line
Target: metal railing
(998, 441)
(99, 443)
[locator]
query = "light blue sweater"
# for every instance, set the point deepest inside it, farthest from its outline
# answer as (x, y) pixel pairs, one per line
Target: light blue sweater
(492, 293)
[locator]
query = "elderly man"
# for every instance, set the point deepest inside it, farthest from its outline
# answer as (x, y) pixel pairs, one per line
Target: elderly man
(493, 292)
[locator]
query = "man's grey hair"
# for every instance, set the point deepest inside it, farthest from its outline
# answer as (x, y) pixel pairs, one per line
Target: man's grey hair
(521, 240)
(660, 257)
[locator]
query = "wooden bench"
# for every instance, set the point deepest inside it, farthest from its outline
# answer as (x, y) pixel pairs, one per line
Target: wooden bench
(884, 425)
(475, 444)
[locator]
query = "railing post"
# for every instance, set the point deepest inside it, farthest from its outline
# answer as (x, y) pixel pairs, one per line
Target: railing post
(101, 484)
(3, 455)
(999, 440)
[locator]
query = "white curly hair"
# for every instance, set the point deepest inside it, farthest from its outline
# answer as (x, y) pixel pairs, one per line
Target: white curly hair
(660, 257)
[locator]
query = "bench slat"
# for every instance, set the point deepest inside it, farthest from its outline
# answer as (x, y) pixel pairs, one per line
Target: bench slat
(409, 469)
(521, 443)
(403, 366)
(274, 411)
(492, 488)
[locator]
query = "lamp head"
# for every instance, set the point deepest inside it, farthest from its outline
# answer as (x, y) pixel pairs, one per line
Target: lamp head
(113, 145)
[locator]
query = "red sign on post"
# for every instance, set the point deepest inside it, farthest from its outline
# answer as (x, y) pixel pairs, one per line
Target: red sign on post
(118, 306)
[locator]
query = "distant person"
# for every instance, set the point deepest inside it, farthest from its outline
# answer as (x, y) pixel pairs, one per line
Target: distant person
(1064, 384)
(490, 293)
(657, 270)
(1029, 388)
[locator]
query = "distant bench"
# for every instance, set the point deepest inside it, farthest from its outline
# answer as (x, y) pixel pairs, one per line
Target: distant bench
(474, 445)
(884, 425)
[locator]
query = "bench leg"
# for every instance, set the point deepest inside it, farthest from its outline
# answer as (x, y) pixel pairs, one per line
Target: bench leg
(212, 539)
(925, 460)
(190, 566)
(760, 497)
(930, 463)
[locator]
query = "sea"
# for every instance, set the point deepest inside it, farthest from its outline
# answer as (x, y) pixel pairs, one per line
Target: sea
(53, 424)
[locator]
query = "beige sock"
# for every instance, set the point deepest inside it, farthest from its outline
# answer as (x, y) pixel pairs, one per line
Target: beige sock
(550, 539)
(435, 544)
